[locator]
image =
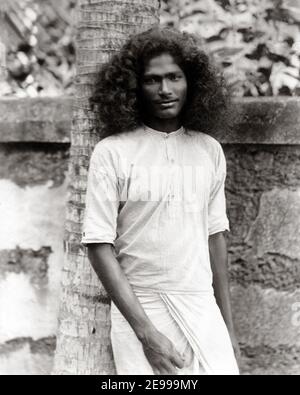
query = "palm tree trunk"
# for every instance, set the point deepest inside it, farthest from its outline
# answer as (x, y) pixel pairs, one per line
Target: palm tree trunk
(3, 41)
(83, 344)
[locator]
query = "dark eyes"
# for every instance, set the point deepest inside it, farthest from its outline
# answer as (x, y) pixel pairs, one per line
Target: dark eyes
(155, 80)
(150, 80)
(175, 77)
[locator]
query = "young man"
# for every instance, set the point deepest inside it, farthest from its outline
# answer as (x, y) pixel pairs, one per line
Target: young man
(155, 208)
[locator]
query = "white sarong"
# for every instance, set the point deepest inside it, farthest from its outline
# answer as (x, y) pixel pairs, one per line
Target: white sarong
(192, 322)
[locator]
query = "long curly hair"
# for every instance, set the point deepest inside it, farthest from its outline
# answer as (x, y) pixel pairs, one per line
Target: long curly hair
(116, 98)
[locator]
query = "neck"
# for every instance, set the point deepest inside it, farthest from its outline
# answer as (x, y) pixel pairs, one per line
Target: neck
(164, 125)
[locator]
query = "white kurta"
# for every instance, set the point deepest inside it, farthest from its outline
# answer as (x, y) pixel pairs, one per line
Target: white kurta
(157, 197)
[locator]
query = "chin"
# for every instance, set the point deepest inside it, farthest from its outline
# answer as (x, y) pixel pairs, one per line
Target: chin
(167, 115)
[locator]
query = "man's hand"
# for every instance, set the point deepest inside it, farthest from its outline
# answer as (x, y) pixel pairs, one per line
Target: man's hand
(158, 349)
(161, 353)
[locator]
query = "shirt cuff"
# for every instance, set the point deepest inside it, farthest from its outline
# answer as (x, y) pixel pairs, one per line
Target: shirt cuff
(85, 240)
(219, 228)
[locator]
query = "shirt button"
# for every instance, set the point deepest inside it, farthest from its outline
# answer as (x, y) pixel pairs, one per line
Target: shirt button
(172, 160)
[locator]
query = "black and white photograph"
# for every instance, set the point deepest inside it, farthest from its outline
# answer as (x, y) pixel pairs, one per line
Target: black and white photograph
(149, 190)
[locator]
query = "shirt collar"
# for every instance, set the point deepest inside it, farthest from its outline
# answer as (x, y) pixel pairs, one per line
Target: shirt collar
(163, 134)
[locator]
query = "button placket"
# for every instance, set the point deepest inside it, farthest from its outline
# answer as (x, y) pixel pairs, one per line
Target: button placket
(170, 147)
(170, 151)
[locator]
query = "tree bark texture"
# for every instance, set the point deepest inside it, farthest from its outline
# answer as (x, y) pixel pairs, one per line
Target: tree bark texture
(83, 341)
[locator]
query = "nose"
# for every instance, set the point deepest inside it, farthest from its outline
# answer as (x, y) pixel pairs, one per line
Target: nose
(164, 87)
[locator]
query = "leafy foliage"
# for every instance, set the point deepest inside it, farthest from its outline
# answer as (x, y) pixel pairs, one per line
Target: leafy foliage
(39, 39)
(257, 42)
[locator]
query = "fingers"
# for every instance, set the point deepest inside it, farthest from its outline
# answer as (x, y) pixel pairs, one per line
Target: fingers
(165, 367)
(168, 367)
(164, 358)
(164, 371)
(177, 359)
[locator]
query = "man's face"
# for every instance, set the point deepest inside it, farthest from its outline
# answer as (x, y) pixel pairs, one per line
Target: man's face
(163, 87)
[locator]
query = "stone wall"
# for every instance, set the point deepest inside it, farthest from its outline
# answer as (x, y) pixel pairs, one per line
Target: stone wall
(34, 152)
(262, 189)
(263, 197)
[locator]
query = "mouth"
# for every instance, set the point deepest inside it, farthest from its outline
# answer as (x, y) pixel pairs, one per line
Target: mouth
(167, 103)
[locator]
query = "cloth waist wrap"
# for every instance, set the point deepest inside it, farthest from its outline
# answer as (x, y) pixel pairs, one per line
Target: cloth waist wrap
(191, 320)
